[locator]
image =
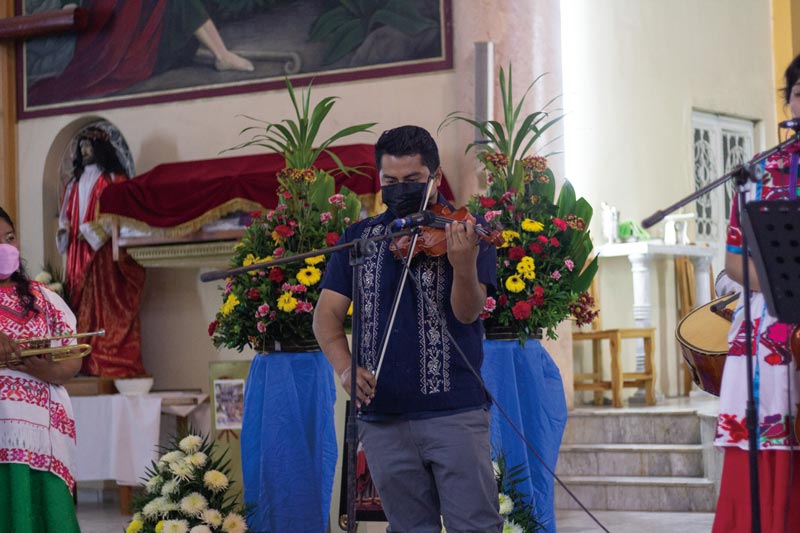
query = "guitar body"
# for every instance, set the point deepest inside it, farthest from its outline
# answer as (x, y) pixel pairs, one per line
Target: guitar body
(703, 338)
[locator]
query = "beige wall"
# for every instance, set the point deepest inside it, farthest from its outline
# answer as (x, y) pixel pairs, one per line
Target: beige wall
(633, 72)
(177, 307)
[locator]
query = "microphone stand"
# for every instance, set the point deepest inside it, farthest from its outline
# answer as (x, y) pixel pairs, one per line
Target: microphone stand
(360, 249)
(742, 174)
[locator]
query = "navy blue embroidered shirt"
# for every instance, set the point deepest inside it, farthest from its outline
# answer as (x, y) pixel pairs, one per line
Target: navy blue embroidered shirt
(422, 374)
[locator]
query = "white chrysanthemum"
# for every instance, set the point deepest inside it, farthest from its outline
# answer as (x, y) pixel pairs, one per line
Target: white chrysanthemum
(169, 487)
(512, 527)
(175, 526)
(198, 459)
(154, 507)
(193, 504)
(234, 523)
(171, 457)
(212, 517)
(200, 529)
(43, 277)
(182, 470)
(496, 469)
(215, 480)
(153, 484)
(506, 504)
(57, 288)
(190, 444)
(137, 516)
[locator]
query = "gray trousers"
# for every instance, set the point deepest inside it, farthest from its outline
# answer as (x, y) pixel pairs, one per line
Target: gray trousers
(433, 469)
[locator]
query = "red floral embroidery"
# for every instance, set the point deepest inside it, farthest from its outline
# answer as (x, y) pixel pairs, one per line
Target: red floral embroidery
(38, 461)
(60, 420)
(737, 430)
(30, 391)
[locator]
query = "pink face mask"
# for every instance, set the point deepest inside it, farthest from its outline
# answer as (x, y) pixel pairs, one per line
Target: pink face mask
(9, 260)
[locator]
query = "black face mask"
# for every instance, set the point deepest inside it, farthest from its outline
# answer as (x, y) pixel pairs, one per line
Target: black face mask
(404, 198)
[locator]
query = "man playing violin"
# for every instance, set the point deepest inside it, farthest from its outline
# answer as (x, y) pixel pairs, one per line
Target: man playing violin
(37, 430)
(424, 420)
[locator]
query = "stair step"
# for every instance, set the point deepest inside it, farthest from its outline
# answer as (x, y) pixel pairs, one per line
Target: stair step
(631, 493)
(632, 426)
(663, 460)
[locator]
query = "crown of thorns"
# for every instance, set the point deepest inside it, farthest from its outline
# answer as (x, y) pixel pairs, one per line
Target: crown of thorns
(95, 134)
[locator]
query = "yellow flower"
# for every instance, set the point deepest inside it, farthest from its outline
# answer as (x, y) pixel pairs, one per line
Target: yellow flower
(317, 259)
(134, 527)
(350, 310)
(309, 275)
(160, 526)
(229, 305)
(514, 283)
(249, 260)
(287, 302)
(508, 236)
(234, 523)
(532, 225)
(527, 268)
(238, 245)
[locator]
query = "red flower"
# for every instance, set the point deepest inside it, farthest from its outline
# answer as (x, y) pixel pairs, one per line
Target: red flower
(521, 310)
(331, 238)
(253, 293)
(537, 298)
(543, 239)
(486, 202)
(276, 274)
(535, 248)
(502, 300)
(516, 253)
(212, 327)
(560, 224)
(283, 230)
(554, 242)
(254, 214)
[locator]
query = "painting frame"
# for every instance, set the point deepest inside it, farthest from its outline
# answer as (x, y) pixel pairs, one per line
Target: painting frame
(26, 109)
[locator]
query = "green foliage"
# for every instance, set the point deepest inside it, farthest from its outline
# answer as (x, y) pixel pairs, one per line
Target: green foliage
(262, 306)
(542, 268)
(523, 514)
(346, 26)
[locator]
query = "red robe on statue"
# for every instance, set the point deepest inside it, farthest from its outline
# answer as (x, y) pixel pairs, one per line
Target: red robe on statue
(104, 293)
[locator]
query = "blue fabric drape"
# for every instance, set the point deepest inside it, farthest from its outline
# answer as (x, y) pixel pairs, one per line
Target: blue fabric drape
(527, 384)
(289, 446)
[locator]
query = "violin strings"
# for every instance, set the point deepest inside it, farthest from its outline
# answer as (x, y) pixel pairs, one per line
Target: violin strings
(444, 220)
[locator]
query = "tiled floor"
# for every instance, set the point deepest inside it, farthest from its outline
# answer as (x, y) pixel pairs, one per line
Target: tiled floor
(105, 518)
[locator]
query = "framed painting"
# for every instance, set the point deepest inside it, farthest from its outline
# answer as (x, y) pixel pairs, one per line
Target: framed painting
(138, 52)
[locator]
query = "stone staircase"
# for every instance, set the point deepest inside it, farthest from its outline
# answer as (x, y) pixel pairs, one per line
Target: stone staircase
(635, 459)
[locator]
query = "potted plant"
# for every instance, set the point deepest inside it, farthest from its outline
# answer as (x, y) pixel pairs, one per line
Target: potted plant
(263, 306)
(544, 268)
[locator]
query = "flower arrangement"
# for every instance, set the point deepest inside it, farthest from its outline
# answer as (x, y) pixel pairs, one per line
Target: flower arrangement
(53, 279)
(518, 514)
(543, 269)
(185, 492)
(262, 306)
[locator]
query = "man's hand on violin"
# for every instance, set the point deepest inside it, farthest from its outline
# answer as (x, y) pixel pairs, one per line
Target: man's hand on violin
(365, 385)
(462, 244)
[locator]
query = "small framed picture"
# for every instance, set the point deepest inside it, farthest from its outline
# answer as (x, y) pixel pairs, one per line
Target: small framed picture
(228, 403)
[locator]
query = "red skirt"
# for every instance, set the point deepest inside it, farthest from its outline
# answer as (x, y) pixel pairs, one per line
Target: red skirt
(733, 506)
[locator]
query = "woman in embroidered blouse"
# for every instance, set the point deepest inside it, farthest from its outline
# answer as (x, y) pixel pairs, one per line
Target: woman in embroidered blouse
(37, 431)
(776, 382)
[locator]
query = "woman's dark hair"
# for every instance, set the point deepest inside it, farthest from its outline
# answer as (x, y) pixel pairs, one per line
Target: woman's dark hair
(408, 140)
(20, 278)
(105, 155)
(790, 77)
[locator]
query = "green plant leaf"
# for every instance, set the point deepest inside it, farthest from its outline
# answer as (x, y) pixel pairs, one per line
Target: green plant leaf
(586, 276)
(566, 200)
(327, 24)
(348, 36)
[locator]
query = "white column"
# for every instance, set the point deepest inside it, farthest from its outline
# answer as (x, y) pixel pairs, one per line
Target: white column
(702, 285)
(642, 308)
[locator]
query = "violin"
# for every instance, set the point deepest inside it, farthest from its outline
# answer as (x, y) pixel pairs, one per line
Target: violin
(432, 240)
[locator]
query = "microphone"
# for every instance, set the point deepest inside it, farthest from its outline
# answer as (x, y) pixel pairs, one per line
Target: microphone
(792, 124)
(424, 218)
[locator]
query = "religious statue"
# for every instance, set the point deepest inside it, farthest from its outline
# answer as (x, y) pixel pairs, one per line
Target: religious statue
(105, 294)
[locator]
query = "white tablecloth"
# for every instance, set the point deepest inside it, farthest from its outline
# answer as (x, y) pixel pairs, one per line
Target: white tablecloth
(117, 436)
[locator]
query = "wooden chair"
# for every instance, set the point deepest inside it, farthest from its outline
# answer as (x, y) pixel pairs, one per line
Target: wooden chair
(594, 380)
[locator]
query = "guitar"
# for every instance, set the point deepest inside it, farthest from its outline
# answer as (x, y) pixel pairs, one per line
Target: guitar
(703, 338)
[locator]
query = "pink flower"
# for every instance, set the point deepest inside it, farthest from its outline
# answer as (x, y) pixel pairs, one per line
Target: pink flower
(569, 264)
(286, 194)
(228, 287)
(299, 289)
(543, 239)
(261, 327)
(278, 252)
(292, 223)
(556, 275)
(272, 315)
(280, 208)
(491, 214)
(304, 307)
(336, 199)
(286, 287)
(490, 304)
(325, 217)
(263, 310)
(560, 224)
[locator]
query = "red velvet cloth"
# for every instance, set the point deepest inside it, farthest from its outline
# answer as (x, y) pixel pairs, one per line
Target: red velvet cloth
(176, 193)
